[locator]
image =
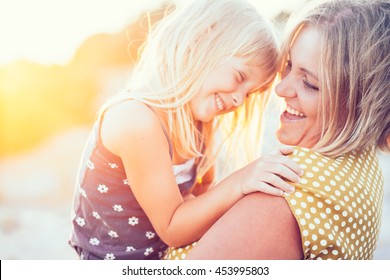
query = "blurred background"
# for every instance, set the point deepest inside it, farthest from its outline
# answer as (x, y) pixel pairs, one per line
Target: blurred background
(59, 61)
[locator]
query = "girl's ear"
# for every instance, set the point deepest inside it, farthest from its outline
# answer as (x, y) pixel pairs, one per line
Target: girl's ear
(388, 141)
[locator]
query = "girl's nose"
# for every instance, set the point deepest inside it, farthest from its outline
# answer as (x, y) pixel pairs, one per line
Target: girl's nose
(238, 98)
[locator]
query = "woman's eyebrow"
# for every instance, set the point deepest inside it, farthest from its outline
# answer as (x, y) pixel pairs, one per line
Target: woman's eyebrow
(309, 73)
(303, 68)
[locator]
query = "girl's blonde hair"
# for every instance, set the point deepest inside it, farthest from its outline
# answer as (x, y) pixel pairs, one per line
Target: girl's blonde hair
(181, 51)
(354, 72)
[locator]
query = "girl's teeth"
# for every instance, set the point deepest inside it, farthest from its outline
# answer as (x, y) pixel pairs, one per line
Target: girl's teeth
(294, 112)
(219, 103)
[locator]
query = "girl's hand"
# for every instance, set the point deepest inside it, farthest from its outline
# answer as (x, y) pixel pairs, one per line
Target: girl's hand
(271, 173)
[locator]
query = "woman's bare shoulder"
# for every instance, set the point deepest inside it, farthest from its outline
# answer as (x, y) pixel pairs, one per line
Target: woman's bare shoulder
(259, 226)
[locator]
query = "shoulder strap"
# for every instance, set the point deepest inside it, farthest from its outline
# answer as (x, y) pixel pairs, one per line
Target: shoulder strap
(164, 130)
(100, 118)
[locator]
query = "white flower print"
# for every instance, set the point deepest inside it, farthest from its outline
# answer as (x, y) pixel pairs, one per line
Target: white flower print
(118, 208)
(90, 165)
(133, 221)
(113, 165)
(102, 188)
(109, 256)
(148, 251)
(126, 181)
(150, 234)
(113, 234)
(94, 241)
(130, 249)
(96, 215)
(80, 221)
(82, 192)
(73, 215)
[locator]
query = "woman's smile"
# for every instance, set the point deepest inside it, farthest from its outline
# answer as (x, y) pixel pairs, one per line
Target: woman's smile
(299, 123)
(291, 114)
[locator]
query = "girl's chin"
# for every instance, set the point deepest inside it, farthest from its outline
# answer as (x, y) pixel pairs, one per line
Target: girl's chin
(203, 118)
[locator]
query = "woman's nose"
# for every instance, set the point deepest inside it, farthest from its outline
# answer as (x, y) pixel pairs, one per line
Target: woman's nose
(285, 88)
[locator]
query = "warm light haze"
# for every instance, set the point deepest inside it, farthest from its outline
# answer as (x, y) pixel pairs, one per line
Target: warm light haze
(49, 31)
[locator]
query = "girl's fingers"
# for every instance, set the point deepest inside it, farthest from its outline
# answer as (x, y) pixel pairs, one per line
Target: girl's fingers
(283, 150)
(279, 160)
(266, 188)
(282, 171)
(286, 150)
(276, 182)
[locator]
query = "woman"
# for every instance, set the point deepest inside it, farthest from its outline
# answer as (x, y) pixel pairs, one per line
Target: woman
(335, 84)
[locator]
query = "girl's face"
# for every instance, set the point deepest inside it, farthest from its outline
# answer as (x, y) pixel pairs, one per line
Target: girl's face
(300, 89)
(226, 88)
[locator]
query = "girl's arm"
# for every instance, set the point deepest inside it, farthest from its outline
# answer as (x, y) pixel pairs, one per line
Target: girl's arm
(206, 182)
(133, 132)
(258, 227)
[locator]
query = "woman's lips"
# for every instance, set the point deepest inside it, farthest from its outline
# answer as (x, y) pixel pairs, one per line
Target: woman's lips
(286, 116)
(292, 114)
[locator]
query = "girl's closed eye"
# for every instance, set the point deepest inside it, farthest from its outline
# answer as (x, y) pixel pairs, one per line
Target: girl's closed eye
(240, 76)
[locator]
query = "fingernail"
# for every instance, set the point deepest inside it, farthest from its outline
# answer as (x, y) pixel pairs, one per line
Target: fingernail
(302, 172)
(291, 190)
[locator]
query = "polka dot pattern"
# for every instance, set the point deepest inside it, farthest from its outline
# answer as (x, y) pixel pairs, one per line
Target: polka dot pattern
(172, 253)
(338, 204)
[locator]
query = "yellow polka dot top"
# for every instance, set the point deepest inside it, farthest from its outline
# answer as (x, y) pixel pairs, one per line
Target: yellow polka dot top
(338, 204)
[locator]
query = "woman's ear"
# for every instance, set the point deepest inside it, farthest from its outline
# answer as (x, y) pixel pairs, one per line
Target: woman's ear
(388, 141)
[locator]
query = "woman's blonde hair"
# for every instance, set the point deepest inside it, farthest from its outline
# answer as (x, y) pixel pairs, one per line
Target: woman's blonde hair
(354, 72)
(181, 51)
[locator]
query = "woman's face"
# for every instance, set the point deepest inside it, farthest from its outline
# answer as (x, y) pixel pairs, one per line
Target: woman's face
(300, 89)
(226, 88)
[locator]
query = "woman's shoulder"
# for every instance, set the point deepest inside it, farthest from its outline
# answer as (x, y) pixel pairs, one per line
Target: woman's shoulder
(311, 158)
(334, 195)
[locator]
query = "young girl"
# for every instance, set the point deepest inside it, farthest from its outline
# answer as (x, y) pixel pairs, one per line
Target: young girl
(136, 184)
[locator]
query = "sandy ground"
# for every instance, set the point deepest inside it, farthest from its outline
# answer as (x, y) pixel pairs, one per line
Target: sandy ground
(35, 199)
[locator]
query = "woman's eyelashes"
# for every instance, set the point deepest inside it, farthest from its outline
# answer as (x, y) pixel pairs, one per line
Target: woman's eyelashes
(288, 65)
(306, 84)
(286, 69)
(310, 86)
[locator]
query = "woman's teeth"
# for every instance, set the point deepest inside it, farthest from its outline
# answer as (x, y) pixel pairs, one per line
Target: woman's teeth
(219, 103)
(294, 112)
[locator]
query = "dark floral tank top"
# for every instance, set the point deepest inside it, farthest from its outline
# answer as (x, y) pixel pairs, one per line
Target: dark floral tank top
(107, 220)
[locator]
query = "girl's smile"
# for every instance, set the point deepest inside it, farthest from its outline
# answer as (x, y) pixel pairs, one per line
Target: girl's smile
(226, 87)
(219, 103)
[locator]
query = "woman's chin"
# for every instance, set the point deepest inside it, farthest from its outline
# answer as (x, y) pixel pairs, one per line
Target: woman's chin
(284, 138)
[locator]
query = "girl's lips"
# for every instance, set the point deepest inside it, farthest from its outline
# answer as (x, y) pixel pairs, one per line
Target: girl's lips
(219, 103)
